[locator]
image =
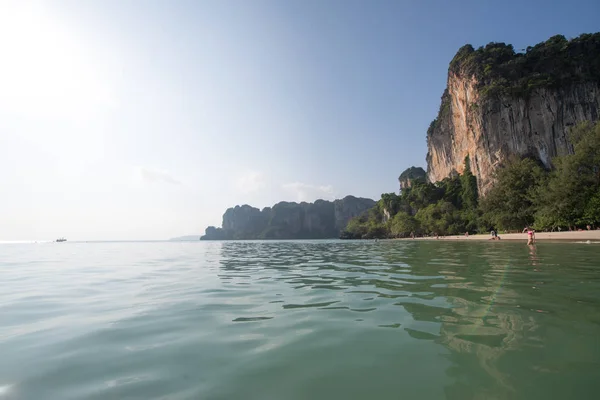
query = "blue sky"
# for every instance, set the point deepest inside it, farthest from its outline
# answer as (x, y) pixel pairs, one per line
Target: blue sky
(147, 119)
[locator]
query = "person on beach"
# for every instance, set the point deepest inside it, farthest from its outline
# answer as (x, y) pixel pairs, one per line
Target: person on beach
(530, 235)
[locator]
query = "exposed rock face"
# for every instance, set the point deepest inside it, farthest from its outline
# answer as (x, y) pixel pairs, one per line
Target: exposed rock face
(347, 208)
(409, 175)
(318, 220)
(244, 220)
(531, 119)
(386, 216)
(213, 233)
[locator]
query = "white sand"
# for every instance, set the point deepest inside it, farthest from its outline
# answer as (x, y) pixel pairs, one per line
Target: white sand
(539, 236)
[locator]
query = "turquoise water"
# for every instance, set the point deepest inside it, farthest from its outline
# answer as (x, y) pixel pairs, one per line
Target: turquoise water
(299, 320)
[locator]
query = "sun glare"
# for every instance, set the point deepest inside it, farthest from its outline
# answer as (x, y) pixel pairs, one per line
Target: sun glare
(46, 69)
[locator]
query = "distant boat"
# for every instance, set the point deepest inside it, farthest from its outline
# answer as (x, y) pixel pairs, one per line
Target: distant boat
(61, 240)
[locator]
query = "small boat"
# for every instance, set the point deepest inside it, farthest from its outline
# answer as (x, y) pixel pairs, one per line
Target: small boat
(61, 240)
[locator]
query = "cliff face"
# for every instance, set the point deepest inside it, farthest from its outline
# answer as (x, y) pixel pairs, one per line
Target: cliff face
(318, 220)
(347, 208)
(489, 114)
(409, 175)
(490, 130)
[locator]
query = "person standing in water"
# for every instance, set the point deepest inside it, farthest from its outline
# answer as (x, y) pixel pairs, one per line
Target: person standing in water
(530, 235)
(494, 236)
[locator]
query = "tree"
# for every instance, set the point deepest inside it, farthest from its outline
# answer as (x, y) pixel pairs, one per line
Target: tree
(591, 213)
(356, 228)
(440, 218)
(403, 224)
(570, 197)
(421, 194)
(452, 188)
(390, 202)
(561, 201)
(510, 204)
(469, 194)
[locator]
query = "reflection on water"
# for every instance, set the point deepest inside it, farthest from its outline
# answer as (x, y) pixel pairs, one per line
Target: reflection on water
(486, 303)
(300, 320)
(533, 254)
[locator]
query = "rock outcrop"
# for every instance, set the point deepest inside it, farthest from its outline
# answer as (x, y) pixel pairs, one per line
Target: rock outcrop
(411, 174)
(500, 103)
(319, 220)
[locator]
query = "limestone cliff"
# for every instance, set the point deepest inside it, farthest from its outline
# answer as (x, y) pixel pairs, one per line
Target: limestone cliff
(409, 175)
(499, 103)
(319, 220)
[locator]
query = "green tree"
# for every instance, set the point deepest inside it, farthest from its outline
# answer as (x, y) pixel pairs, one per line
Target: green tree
(376, 231)
(421, 194)
(561, 201)
(356, 228)
(452, 189)
(469, 195)
(441, 218)
(591, 213)
(571, 194)
(509, 205)
(403, 224)
(390, 202)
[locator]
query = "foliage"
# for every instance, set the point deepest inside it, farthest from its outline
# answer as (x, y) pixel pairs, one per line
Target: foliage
(390, 202)
(525, 193)
(356, 228)
(553, 63)
(440, 218)
(571, 195)
(413, 173)
(468, 184)
(421, 194)
(448, 207)
(403, 224)
(567, 197)
(509, 205)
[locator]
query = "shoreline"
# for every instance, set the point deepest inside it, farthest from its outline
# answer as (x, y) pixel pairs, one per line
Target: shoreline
(539, 236)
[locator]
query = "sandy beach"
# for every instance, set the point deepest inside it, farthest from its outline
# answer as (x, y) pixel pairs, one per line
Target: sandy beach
(574, 236)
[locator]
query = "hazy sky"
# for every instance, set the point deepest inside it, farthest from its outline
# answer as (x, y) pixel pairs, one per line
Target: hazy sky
(147, 119)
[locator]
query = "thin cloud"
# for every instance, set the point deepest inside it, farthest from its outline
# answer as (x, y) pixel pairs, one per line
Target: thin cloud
(156, 175)
(249, 182)
(307, 192)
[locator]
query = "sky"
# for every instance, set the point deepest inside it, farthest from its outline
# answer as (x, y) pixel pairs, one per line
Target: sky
(147, 119)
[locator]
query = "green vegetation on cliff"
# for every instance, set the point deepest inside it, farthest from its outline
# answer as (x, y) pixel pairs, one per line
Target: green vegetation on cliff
(525, 193)
(554, 63)
(568, 196)
(410, 175)
(445, 208)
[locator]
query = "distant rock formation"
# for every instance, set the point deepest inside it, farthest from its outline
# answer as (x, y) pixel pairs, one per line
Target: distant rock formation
(319, 220)
(500, 103)
(411, 174)
(213, 233)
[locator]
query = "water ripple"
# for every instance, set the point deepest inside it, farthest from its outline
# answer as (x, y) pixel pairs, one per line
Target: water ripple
(297, 320)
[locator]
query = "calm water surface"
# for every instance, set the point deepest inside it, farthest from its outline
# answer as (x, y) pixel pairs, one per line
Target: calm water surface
(299, 320)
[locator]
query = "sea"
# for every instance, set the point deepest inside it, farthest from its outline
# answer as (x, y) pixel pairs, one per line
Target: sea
(299, 320)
